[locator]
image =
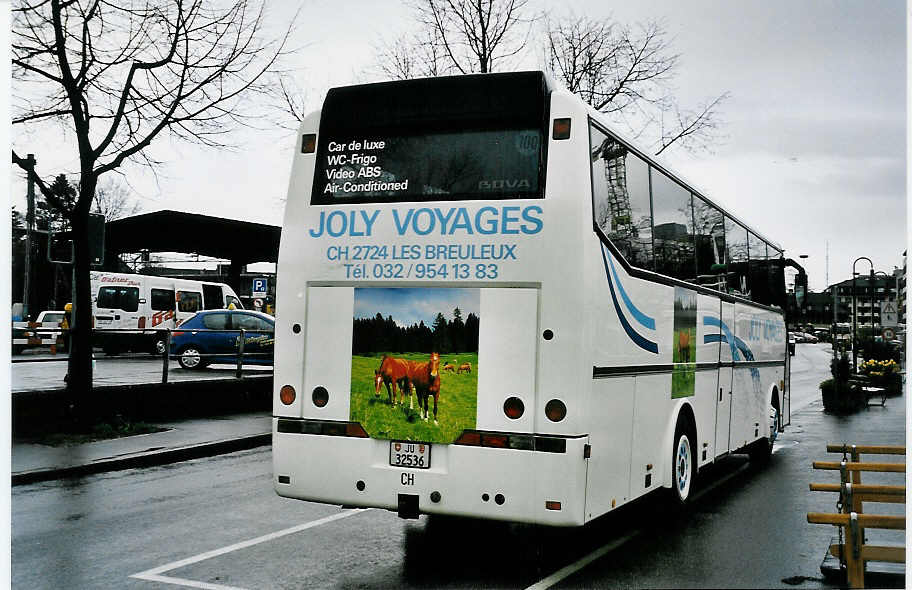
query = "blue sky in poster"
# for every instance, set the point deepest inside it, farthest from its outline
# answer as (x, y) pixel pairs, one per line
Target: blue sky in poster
(409, 306)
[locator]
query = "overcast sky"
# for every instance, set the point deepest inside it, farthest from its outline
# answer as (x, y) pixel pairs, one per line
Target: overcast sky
(815, 129)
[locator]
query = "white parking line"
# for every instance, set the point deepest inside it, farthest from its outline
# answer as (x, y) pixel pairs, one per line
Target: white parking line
(580, 564)
(576, 566)
(154, 574)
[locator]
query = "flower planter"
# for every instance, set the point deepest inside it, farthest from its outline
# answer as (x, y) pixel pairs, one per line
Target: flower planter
(841, 398)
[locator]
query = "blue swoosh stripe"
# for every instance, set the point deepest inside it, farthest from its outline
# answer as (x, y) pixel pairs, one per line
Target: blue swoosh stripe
(631, 333)
(645, 320)
(734, 343)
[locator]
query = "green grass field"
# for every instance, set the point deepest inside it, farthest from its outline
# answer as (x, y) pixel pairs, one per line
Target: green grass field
(683, 375)
(456, 408)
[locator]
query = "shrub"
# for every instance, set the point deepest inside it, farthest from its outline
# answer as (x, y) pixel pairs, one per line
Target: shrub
(841, 369)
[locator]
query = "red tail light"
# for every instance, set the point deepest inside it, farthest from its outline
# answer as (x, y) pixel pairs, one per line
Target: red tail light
(287, 395)
(552, 505)
(514, 408)
(177, 333)
(555, 410)
(142, 322)
(355, 429)
(499, 441)
(320, 396)
(469, 438)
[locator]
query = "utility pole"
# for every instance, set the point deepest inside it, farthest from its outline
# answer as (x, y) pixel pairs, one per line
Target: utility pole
(29, 226)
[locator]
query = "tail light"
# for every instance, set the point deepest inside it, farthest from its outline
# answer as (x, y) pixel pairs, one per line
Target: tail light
(555, 410)
(177, 333)
(513, 408)
(561, 129)
(517, 442)
(320, 396)
(355, 429)
(552, 505)
(142, 322)
(323, 427)
(287, 395)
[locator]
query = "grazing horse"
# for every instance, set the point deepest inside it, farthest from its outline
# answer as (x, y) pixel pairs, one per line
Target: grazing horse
(464, 368)
(449, 367)
(684, 346)
(392, 371)
(425, 378)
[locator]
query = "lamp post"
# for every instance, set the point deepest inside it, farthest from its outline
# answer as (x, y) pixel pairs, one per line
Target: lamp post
(855, 312)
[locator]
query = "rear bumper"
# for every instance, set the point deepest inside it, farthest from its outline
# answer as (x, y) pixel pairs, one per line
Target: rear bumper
(468, 481)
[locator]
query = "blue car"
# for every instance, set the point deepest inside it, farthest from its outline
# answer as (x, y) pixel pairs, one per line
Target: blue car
(192, 342)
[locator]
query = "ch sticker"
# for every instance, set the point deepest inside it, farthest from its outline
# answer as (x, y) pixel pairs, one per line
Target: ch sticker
(407, 479)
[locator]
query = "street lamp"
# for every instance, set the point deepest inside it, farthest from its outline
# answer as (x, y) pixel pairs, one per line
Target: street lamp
(855, 312)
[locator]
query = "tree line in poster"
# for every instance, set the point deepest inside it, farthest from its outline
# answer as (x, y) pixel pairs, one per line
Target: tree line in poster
(379, 334)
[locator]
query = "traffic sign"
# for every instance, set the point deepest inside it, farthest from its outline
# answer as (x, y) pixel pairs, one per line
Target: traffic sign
(889, 334)
(888, 315)
(258, 303)
(259, 287)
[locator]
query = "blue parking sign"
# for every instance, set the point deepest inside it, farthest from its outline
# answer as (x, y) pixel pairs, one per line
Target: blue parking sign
(259, 286)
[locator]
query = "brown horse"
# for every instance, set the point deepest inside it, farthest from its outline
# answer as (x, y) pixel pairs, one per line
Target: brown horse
(392, 371)
(425, 378)
(684, 346)
(464, 368)
(449, 367)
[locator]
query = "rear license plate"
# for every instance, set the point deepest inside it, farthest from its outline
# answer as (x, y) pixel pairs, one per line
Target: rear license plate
(410, 454)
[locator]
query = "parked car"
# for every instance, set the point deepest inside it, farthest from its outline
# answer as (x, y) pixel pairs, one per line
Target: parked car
(50, 317)
(810, 338)
(217, 333)
(25, 337)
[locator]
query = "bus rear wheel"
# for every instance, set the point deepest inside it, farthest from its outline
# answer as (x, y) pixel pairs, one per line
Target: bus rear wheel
(683, 464)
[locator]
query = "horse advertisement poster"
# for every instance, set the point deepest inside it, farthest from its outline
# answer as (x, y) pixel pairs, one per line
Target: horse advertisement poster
(684, 345)
(415, 362)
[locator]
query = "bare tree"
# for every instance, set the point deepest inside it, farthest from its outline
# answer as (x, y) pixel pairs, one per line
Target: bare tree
(627, 73)
(118, 75)
(458, 37)
(413, 55)
(112, 199)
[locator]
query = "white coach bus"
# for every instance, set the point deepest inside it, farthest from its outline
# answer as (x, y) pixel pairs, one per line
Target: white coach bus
(492, 305)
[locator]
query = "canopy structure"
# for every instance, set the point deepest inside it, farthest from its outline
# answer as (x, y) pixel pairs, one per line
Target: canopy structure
(241, 242)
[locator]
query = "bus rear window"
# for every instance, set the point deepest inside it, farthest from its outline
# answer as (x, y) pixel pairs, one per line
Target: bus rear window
(501, 164)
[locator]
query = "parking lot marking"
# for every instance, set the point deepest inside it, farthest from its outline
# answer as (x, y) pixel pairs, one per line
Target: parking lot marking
(581, 563)
(604, 550)
(186, 583)
(154, 574)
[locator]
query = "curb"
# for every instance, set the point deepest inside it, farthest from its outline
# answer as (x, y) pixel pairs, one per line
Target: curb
(149, 459)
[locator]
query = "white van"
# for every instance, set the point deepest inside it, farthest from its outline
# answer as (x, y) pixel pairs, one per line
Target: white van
(140, 302)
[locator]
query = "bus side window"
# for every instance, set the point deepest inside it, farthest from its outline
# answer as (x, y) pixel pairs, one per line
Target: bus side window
(759, 275)
(672, 228)
(709, 234)
(737, 267)
(620, 193)
(189, 301)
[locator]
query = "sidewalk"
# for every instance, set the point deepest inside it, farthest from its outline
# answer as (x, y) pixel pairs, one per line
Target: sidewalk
(184, 439)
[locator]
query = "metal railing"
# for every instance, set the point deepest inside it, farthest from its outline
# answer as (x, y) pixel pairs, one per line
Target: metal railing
(238, 355)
